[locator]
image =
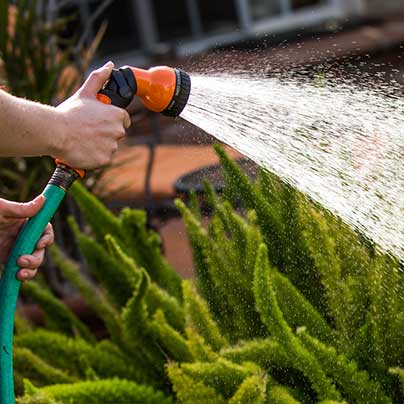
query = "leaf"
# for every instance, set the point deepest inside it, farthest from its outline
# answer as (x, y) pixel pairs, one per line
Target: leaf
(199, 317)
(110, 391)
(273, 318)
(222, 375)
(251, 391)
(29, 365)
(191, 391)
(92, 295)
(58, 316)
(74, 354)
(344, 371)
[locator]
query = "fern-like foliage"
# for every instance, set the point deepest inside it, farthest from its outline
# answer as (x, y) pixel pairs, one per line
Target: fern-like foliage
(112, 391)
(328, 306)
(130, 232)
(288, 306)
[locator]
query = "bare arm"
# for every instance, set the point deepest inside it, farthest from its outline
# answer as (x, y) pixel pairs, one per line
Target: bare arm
(12, 216)
(25, 128)
(81, 131)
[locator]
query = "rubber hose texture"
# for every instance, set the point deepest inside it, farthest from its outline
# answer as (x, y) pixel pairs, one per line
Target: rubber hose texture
(10, 286)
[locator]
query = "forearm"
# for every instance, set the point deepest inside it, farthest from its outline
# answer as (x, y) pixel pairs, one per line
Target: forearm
(28, 128)
(82, 132)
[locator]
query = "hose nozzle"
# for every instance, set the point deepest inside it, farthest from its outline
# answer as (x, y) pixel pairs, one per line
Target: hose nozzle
(161, 89)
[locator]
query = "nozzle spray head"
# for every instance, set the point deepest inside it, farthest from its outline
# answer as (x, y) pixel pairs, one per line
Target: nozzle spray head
(161, 89)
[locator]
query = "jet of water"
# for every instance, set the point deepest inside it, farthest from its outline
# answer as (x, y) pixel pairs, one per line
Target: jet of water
(340, 144)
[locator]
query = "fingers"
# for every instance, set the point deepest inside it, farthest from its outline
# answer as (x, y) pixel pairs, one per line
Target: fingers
(26, 274)
(47, 238)
(33, 261)
(120, 127)
(126, 119)
(96, 80)
(29, 264)
(21, 210)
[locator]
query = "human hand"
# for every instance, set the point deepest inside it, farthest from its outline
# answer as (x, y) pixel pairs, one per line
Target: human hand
(12, 216)
(91, 130)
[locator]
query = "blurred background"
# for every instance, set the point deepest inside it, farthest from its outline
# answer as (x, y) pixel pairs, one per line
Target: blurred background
(162, 158)
(139, 30)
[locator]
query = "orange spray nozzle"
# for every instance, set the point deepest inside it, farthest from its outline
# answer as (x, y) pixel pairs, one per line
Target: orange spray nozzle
(161, 89)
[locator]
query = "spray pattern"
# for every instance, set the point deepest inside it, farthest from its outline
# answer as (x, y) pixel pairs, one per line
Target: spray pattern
(341, 145)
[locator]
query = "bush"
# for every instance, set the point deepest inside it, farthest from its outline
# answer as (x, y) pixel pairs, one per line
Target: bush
(289, 306)
(113, 391)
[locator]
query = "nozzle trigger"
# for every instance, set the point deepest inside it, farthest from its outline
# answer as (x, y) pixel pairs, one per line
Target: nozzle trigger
(120, 88)
(123, 89)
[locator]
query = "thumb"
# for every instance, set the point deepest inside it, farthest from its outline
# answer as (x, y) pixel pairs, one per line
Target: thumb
(96, 80)
(21, 210)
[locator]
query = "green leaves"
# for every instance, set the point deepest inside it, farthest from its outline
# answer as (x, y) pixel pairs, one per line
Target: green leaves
(30, 365)
(75, 355)
(281, 395)
(343, 372)
(116, 278)
(190, 391)
(313, 274)
(199, 318)
(288, 307)
(268, 353)
(251, 391)
(113, 391)
(58, 316)
(93, 296)
(131, 235)
(272, 317)
(224, 257)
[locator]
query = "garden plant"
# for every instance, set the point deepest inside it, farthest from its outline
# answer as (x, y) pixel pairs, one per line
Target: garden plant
(288, 306)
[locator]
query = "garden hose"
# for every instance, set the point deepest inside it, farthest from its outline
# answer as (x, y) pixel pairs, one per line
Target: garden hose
(161, 89)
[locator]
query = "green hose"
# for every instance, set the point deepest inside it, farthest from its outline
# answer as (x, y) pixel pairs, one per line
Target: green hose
(10, 285)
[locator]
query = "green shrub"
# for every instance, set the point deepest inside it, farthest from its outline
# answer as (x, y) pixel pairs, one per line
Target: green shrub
(113, 391)
(265, 322)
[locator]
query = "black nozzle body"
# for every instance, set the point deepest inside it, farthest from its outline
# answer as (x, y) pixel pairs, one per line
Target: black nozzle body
(181, 94)
(121, 87)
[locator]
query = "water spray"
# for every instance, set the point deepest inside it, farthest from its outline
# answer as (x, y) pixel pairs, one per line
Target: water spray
(161, 89)
(339, 143)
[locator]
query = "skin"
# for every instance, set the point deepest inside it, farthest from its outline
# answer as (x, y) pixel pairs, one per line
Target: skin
(82, 132)
(12, 217)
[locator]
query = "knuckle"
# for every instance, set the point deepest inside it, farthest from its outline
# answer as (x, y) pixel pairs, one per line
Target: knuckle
(118, 115)
(47, 241)
(95, 73)
(37, 261)
(124, 115)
